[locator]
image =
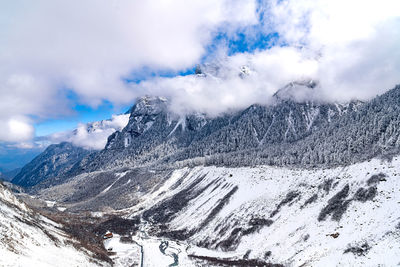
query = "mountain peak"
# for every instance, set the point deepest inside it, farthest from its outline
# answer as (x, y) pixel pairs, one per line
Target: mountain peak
(149, 105)
(298, 91)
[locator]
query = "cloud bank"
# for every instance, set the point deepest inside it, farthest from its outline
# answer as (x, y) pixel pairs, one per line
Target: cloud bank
(88, 47)
(48, 48)
(90, 135)
(349, 47)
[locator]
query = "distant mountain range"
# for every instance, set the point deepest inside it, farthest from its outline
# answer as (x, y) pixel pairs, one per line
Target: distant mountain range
(9, 175)
(60, 158)
(55, 161)
(92, 135)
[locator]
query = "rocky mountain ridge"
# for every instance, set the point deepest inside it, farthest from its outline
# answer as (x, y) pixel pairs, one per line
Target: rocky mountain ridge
(160, 136)
(154, 135)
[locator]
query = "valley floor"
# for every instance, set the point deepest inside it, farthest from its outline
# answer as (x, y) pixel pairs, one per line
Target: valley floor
(263, 215)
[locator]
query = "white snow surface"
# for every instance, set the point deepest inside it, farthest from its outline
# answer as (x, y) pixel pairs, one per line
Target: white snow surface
(296, 237)
(141, 245)
(126, 254)
(28, 239)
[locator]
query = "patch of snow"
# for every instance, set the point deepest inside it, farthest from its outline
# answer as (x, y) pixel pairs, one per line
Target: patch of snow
(50, 204)
(126, 254)
(119, 176)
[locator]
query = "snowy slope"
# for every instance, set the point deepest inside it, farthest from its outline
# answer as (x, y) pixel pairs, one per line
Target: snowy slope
(347, 216)
(27, 239)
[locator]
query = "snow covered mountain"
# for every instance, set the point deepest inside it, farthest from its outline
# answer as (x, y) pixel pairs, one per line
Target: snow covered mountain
(70, 148)
(28, 239)
(153, 134)
(54, 162)
(298, 183)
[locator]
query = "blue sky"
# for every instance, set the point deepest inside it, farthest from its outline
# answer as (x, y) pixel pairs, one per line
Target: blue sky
(238, 43)
(86, 113)
(81, 114)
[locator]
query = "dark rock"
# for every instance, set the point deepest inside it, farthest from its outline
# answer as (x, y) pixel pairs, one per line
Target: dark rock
(290, 197)
(326, 185)
(247, 254)
(232, 241)
(359, 250)
(334, 235)
(312, 199)
(364, 195)
(337, 205)
(306, 237)
(267, 254)
(256, 224)
(376, 178)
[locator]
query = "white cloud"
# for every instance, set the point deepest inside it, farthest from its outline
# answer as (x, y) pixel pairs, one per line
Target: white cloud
(91, 135)
(16, 129)
(350, 47)
(89, 46)
(355, 42)
(224, 88)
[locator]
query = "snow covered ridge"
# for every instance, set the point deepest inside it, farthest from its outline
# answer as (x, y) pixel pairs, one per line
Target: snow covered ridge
(56, 160)
(155, 133)
(288, 133)
(347, 216)
(27, 239)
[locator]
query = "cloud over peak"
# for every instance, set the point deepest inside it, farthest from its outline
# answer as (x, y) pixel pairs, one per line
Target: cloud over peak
(48, 48)
(349, 47)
